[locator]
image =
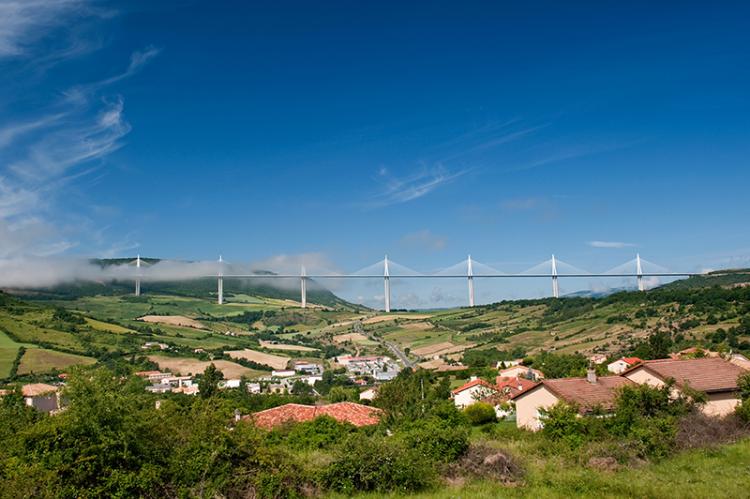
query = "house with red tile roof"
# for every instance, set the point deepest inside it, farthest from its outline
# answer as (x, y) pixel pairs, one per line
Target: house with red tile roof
(343, 412)
(472, 392)
(41, 396)
(623, 364)
(714, 376)
(587, 393)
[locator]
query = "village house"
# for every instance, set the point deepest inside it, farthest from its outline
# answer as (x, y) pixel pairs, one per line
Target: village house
(369, 394)
(623, 364)
(41, 396)
(520, 371)
(472, 392)
(343, 412)
(714, 376)
(598, 359)
(502, 364)
(587, 393)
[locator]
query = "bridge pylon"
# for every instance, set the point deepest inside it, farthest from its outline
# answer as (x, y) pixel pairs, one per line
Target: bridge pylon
(220, 282)
(303, 286)
(386, 285)
(470, 277)
(639, 272)
(555, 284)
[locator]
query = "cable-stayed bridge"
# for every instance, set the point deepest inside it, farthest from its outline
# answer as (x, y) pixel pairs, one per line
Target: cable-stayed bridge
(469, 269)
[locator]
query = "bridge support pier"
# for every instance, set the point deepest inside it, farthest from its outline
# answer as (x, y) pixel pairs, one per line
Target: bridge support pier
(220, 282)
(138, 276)
(555, 284)
(303, 287)
(470, 274)
(386, 286)
(639, 272)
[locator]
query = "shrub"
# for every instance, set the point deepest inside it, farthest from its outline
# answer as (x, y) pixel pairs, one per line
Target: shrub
(435, 439)
(563, 422)
(743, 411)
(321, 433)
(480, 413)
(376, 464)
(486, 463)
(697, 430)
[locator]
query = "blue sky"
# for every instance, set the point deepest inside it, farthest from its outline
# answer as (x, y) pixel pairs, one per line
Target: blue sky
(344, 131)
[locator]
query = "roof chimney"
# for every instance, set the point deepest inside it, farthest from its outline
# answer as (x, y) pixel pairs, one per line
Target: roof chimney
(591, 375)
(473, 378)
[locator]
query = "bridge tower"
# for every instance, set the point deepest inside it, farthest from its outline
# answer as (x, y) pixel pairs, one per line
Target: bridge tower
(220, 281)
(555, 284)
(470, 276)
(386, 285)
(303, 286)
(138, 276)
(639, 272)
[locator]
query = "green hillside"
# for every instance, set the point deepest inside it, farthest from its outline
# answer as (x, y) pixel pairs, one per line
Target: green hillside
(708, 312)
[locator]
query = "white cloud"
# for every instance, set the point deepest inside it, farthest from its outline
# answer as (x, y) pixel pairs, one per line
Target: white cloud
(23, 22)
(610, 244)
(399, 190)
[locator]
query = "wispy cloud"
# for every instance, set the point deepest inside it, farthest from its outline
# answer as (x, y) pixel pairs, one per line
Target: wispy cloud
(423, 239)
(23, 23)
(52, 146)
(611, 244)
(397, 190)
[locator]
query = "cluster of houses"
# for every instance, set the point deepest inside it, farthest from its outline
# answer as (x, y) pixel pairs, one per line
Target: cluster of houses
(528, 394)
(379, 368)
(161, 382)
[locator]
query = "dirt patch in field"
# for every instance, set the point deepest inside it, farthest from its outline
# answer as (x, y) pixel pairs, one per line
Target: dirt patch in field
(283, 346)
(431, 349)
(353, 337)
(275, 361)
(173, 320)
(390, 317)
(188, 366)
(417, 326)
(440, 366)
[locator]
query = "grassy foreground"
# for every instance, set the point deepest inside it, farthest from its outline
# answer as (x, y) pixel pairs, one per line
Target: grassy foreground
(720, 472)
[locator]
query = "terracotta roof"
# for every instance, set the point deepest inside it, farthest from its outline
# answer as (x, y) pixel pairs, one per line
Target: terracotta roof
(514, 385)
(344, 412)
(471, 384)
(36, 389)
(580, 391)
(710, 374)
(632, 360)
(146, 374)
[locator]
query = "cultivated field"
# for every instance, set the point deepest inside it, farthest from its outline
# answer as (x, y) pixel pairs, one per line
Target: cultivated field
(284, 347)
(353, 337)
(275, 361)
(188, 366)
(391, 317)
(8, 352)
(173, 320)
(41, 360)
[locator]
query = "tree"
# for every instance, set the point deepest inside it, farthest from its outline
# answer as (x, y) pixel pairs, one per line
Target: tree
(208, 386)
(301, 388)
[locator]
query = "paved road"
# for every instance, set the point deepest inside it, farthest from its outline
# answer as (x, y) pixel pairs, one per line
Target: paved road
(401, 355)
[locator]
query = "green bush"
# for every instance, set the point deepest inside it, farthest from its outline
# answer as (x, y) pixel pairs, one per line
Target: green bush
(480, 413)
(321, 433)
(364, 464)
(435, 439)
